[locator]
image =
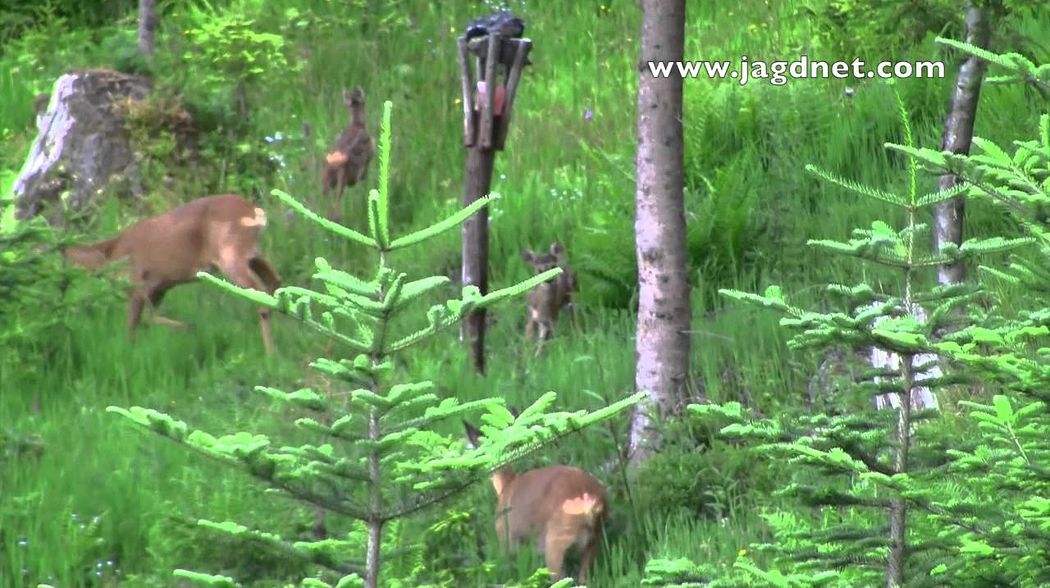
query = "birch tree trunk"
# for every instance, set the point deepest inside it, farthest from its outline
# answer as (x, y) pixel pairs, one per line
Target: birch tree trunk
(958, 134)
(147, 26)
(662, 343)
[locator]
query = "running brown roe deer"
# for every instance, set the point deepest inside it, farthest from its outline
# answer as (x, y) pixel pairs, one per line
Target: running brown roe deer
(347, 161)
(214, 232)
(558, 506)
(546, 300)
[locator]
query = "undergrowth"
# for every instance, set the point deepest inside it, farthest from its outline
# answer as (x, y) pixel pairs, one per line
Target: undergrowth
(85, 502)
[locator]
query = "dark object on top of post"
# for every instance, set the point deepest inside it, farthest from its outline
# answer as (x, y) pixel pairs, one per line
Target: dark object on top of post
(503, 22)
(489, 83)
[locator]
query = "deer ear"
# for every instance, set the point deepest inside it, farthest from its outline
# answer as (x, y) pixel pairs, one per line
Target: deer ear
(528, 255)
(556, 248)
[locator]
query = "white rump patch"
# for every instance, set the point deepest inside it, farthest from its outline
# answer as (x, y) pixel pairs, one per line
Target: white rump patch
(259, 220)
(336, 158)
(585, 504)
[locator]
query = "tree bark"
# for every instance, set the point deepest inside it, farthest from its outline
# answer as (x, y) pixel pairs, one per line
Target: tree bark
(949, 215)
(375, 507)
(147, 26)
(662, 344)
(476, 247)
(897, 561)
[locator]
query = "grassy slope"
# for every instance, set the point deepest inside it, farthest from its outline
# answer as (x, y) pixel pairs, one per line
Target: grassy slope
(750, 205)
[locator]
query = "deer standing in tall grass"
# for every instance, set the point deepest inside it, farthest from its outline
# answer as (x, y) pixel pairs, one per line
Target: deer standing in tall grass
(546, 300)
(347, 161)
(558, 506)
(214, 232)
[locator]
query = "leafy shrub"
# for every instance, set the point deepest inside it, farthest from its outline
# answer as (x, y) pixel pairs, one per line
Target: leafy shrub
(877, 30)
(122, 50)
(227, 51)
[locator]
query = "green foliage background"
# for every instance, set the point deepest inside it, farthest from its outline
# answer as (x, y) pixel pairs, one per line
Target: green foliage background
(83, 499)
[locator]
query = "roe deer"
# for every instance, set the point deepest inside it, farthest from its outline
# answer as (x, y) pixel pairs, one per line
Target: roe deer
(215, 232)
(347, 161)
(546, 300)
(558, 506)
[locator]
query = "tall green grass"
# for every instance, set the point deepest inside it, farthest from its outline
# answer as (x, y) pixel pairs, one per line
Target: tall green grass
(564, 175)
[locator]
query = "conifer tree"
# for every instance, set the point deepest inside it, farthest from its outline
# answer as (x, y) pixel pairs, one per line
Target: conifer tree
(974, 498)
(385, 457)
(1005, 540)
(867, 464)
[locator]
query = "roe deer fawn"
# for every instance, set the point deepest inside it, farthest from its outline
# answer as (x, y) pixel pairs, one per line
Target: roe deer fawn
(558, 506)
(546, 300)
(347, 161)
(219, 231)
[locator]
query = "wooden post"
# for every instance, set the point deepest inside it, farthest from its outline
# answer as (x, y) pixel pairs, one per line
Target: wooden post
(499, 53)
(467, 87)
(476, 246)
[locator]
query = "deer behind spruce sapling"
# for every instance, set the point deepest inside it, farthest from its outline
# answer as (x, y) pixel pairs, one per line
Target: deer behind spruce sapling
(546, 300)
(558, 507)
(346, 163)
(214, 232)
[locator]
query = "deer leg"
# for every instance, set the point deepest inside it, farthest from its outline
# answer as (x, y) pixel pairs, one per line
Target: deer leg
(554, 548)
(570, 309)
(271, 281)
(544, 336)
(585, 560)
(320, 531)
(267, 333)
(266, 274)
(154, 317)
(546, 332)
(547, 329)
(240, 273)
(326, 186)
(328, 348)
(340, 186)
(135, 305)
(326, 182)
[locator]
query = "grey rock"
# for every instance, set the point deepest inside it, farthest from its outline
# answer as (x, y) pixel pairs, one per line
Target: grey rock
(82, 150)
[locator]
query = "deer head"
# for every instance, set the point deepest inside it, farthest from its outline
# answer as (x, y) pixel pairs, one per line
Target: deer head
(354, 99)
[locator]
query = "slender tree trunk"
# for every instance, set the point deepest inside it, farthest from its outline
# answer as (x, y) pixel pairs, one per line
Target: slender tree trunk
(898, 556)
(375, 507)
(662, 343)
(949, 216)
(147, 26)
